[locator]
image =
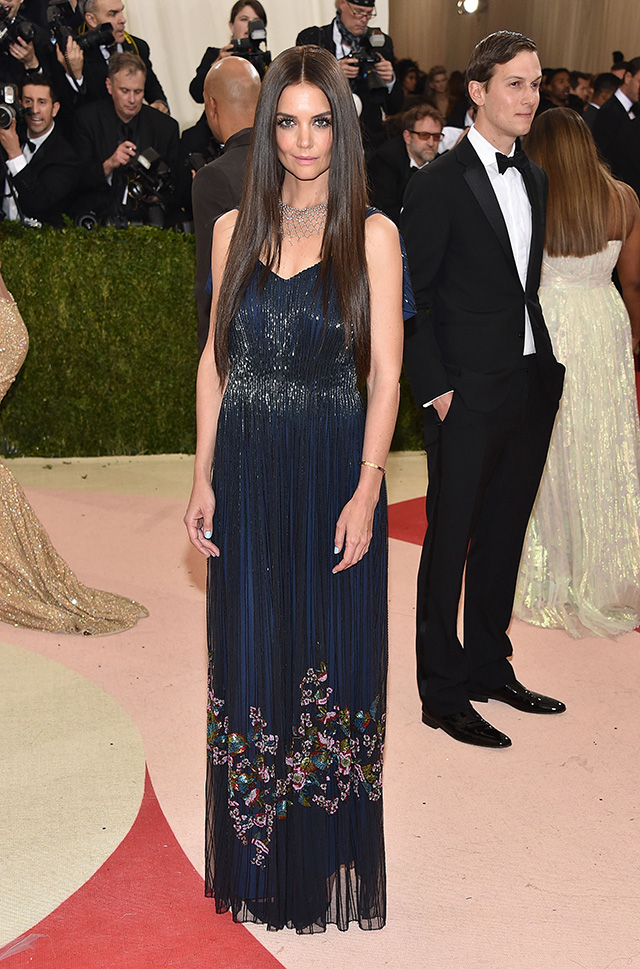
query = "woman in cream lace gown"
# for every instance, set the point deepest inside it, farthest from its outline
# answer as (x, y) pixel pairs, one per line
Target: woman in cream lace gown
(37, 587)
(580, 566)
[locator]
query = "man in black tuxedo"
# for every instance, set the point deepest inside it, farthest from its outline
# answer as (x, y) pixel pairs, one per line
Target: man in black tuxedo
(110, 133)
(612, 124)
(604, 87)
(398, 159)
(481, 364)
(231, 90)
(41, 171)
(347, 38)
(87, 71)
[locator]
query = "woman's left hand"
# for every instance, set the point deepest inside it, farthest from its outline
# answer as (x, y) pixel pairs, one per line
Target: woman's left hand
(354, 530)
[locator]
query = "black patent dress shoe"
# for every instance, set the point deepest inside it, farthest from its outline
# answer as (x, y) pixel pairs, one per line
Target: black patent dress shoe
(468, 727)
(517, 695)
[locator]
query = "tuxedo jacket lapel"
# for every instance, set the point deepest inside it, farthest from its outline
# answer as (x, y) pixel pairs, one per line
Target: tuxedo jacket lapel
(477, 179)
(534, 191)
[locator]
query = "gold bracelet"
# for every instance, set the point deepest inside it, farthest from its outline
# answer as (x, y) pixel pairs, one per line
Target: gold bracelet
(370, 464)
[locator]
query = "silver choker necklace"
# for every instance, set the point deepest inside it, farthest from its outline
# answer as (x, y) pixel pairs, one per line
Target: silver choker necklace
(302, 223)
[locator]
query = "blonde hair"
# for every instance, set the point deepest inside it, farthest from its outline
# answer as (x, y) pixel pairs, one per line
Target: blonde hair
(584, 198)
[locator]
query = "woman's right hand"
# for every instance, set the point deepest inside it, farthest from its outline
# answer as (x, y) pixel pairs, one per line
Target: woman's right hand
(198, 519)
(224, 52)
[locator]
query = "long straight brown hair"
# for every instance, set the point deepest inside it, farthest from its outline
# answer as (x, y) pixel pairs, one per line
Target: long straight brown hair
(258, 230)
(582, 191)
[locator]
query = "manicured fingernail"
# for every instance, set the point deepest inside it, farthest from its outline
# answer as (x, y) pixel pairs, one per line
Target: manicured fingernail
(336, 550)
(207, 534)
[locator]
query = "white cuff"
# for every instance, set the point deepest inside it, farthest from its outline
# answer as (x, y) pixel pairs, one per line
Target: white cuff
(16, 164)
(430, 402)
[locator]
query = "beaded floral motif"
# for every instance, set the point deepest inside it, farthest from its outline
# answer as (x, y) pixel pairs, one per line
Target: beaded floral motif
(331, 755)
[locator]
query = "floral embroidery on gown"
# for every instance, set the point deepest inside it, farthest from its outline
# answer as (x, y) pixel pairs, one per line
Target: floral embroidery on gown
(580, 566)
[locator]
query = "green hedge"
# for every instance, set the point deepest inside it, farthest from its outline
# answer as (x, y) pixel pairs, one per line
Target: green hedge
(113, 346)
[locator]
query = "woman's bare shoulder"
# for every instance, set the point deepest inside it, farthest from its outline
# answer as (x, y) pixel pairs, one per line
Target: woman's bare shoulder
(380, 231)
(225, 225)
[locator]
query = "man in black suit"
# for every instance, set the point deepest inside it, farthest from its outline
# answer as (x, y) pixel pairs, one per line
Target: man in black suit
(604, 87)
(348, 38)
(87, 72)
(110, 134)
(396, 160)
(231, 90)
(480, 362)
(611, 127)
(41, 171)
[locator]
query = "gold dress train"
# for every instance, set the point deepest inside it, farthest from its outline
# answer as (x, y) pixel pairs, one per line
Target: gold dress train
(580, 566)
(37, 587)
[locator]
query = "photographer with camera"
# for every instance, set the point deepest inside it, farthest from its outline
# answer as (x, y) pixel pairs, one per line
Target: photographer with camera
(129, 153)
(242, 13)
(40, 170)
(366, 58)
(197, 139)
(24, 47)
(85, 58)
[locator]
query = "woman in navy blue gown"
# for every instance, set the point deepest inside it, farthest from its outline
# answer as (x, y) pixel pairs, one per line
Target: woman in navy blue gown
(307, 315)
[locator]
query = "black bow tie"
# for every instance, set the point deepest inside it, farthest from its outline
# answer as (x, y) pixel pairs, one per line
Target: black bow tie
(30, 145)
(517, 160)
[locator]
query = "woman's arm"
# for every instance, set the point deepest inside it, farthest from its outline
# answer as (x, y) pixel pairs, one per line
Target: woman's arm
(384, 262)
(629, 265)
(199, 515)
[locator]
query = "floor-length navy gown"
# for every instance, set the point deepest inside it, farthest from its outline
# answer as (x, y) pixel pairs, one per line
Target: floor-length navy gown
(298, 655)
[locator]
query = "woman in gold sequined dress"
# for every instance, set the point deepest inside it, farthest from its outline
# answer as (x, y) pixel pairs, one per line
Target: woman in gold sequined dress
(580, 566)
(37, 587)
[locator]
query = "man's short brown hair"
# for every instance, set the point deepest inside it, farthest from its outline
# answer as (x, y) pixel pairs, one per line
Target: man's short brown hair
(417, 113)
(498, 48)
(129, 63)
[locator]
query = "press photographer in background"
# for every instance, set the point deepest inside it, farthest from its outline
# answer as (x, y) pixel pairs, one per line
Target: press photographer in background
(366, 59)
(198, 139)
(39, 168)
(84, 58)
(129, 154)
(25, 48)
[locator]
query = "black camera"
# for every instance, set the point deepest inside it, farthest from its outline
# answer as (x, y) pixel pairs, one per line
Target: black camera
(372, 49)
(10, 107)
(149, 178)
(61, 18)
(14, 29)
(252, 48)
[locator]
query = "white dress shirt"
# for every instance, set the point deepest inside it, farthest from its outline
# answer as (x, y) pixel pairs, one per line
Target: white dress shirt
(516, 209)
(626, 102)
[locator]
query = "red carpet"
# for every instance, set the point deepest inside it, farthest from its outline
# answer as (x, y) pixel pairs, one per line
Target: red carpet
(408, 521)
(144, 909)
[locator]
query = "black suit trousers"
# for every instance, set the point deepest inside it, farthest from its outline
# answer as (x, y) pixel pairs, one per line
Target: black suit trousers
(484, 472)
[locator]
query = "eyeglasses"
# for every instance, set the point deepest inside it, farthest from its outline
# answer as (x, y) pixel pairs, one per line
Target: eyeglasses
(359, 13)
(427, 135)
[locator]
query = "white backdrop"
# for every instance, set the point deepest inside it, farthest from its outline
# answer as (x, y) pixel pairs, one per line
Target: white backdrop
(179, 31)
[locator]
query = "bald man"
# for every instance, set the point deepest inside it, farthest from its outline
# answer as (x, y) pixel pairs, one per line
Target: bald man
(231, 90)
